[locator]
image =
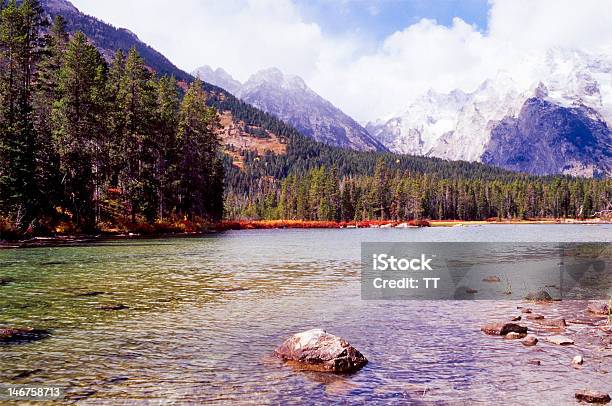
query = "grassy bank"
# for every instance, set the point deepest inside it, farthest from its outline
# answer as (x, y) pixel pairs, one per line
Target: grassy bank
(186, 228)
(280, 224)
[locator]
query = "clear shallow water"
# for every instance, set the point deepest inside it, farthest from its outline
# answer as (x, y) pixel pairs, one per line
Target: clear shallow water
(205, 315)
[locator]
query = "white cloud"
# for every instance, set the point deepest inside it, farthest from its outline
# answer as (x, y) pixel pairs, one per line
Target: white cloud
(366, 81)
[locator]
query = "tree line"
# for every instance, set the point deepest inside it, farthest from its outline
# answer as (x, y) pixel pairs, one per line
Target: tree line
(91, 142)
(393, 193)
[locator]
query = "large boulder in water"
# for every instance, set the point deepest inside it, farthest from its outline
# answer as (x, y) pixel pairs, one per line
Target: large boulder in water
(317, 350)
(501, 329)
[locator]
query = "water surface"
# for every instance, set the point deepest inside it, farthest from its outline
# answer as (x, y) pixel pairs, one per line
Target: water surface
(205, 314)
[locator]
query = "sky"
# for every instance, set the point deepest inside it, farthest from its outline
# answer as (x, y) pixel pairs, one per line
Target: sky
(370, 58)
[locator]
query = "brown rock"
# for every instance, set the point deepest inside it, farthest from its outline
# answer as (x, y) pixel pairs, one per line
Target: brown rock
(26, 374)
(534, 316)
(492, 279)
(22, 335)
(514, 336)
(539, 296)
(551, 322)
(530, 341)
(560, 340)
(321, 351)
(471, 291)
(516, 318)
(582, 321)
(525, 310)
(111, 307)
(590, 396)
(6, 281)
(501, 329)
(90, 294)
(534, 362)
(599, 308)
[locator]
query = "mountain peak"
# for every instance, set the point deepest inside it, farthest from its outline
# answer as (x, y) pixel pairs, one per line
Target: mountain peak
(218, 77)
(275, 77)
(290, 99)
(500, 120)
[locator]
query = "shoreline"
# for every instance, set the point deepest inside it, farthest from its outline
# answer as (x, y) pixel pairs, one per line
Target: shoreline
(285, 224)
(238, 225)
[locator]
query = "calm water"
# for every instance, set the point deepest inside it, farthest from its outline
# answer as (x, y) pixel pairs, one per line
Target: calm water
(205, 315)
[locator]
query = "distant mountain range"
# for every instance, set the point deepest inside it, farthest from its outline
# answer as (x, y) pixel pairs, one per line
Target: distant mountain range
(558, 124)
(290, 99)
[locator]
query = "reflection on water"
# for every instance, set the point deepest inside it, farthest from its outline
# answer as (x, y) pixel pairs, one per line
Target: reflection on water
(203, 316)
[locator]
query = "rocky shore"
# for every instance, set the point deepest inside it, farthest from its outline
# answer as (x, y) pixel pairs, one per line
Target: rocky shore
(587, 336)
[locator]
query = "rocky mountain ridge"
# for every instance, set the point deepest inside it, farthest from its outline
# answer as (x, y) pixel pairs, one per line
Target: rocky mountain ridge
(568, 104)
(290, 99)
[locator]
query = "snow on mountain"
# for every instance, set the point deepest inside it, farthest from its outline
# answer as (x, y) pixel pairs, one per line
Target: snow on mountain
(218, 77)
(290, 99)
(459, 126)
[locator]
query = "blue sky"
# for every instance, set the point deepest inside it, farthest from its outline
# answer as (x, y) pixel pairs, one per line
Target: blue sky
(379, 19)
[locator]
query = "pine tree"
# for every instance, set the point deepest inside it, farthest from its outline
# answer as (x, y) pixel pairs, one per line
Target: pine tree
(165, 154)
(20, 48)
(137, 103)
(198, 169)
(79, 118)
(48, 176)
(116, 118)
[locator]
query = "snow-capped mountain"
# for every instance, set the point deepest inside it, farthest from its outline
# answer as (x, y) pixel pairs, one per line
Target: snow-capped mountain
(556, 121)
(291, 100)
(218, 77)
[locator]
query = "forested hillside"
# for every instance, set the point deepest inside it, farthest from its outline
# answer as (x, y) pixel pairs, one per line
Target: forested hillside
(85, 144)
(317, 182)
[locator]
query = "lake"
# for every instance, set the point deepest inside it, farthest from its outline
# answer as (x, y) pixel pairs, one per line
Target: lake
(205, 314)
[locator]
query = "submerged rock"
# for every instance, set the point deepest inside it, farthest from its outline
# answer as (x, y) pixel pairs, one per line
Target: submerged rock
(111, 307)
(530, 341)
(551, 322)
(317, 350)
(534, 316)
(90, 294)
(560, 340)
(534, 362)
(516, 318)
(599, 308)
(514, 336)
(578, 360)
(6, 280)
(501, 329)
(539, 296)
(492, 279)
(526, 310)
(26, 374)
(22, 335)
(590, 396)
